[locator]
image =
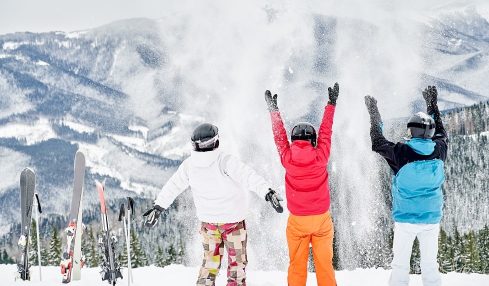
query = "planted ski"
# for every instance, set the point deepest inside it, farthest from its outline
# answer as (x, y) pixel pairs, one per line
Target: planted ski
(110, 268)
(27, 188)
(72, 262)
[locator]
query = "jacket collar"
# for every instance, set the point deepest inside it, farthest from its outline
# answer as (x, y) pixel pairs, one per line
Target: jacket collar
(204, 159)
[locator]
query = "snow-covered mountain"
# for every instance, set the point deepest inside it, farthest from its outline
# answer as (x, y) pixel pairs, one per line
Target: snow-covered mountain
(129, 94)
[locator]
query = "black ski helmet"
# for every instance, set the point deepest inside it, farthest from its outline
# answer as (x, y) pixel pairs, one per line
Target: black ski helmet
(421, 125)
(205, 137)
(304, 131)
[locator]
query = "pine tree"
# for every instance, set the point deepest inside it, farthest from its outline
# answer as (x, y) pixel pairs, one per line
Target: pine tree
(5, 258)
(160, 258)
(471, 254)
(415, 258)
(457, 252)
(180, 252)
(54, 251)
(138, 256)
(33, 259)
(445, 258)
(90, 249)
(483, 243)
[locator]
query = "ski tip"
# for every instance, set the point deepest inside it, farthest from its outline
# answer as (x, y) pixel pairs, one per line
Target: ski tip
(79, 156)
(27, 177)
(99, 185)
(28, 172)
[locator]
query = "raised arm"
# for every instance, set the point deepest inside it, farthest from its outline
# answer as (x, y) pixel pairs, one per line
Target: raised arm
(279, 133)
(380, 145)
(326, 128)
(430, 95)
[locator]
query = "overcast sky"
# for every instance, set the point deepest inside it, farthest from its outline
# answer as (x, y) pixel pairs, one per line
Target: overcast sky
(72, 15)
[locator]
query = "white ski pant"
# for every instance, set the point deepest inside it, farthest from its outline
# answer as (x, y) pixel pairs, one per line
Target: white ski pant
(404, 235)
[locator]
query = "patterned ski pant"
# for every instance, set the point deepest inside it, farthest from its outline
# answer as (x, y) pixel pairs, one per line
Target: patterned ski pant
(215, 237)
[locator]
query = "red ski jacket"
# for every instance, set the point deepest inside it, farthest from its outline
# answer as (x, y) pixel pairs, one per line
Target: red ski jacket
(306, 174)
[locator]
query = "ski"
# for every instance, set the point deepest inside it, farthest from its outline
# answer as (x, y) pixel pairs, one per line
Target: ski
(72, 259)
(27, 188)
(126, 221)
(107, 242)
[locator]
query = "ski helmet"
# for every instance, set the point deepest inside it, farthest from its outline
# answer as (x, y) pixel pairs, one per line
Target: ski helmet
(421, 125)
(205, 137)
(304, 131)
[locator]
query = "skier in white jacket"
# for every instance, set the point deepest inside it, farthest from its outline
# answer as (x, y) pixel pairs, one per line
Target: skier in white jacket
(220, 184)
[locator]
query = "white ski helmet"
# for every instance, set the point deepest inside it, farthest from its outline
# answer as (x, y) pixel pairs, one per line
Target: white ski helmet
(421, 125)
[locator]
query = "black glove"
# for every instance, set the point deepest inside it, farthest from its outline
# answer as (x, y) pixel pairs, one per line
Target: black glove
(333, 94)
(152, 215)
(274, 198)
(430, 95)
(271, 101)
(373, 110)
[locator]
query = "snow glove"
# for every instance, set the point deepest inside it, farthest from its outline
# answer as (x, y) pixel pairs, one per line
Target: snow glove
(152, 215)
(274, 198)
(430, 95)
(271, 101)
(373, 110)
(333, 94)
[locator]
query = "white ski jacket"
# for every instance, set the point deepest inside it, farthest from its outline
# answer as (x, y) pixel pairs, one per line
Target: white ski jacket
(220, 184)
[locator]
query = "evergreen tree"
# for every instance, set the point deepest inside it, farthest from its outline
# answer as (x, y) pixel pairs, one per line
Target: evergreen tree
(33, 259)
(160, 258)
(54, 250)
(458, 256)
(415, 258)
(180, 252)
(5, 258)
(472, 261)
(483, 243)
(445, 258)
(90, 249)
(138, 256)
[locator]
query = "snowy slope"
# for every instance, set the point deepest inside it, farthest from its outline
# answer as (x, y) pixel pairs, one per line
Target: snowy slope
(186, 276)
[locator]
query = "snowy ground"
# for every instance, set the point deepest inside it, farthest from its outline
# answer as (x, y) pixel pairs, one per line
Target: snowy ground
(178, 275)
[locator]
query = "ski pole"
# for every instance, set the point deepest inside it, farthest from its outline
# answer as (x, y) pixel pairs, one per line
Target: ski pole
(38, 211)
(130, 210)
(122, 217)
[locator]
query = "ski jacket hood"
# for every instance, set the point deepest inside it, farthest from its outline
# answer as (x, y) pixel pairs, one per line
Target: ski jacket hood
(302, 152)
(422, 146)
(306, 174)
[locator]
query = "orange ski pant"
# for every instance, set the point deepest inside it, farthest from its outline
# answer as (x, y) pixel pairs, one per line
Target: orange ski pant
(316, 230)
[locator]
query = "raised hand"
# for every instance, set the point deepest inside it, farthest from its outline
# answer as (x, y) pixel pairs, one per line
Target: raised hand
(372, 108)
(333, 94)
(430, 95)
(271, 101)
(274, 198)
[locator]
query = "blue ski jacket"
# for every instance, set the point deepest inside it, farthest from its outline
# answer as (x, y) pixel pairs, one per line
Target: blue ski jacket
(418, 173)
